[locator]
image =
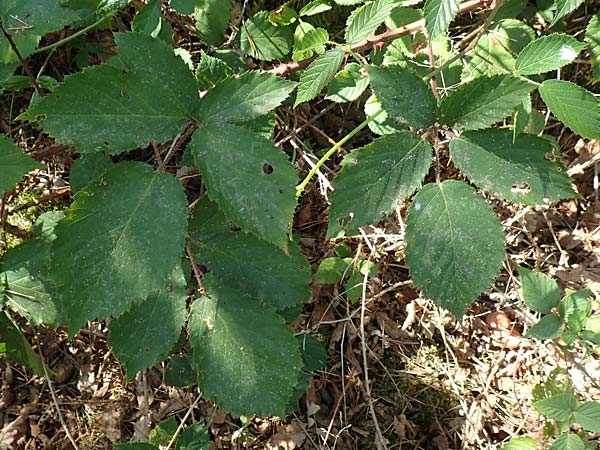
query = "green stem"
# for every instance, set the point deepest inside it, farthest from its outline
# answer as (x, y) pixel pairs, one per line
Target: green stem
(300, 188)
(73, 36)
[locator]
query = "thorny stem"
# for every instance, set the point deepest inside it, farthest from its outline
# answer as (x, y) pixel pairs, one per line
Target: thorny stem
(378, 40)
(300, 188)
(27, 69)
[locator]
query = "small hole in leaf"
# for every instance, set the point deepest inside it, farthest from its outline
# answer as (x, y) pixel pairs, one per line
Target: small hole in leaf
(267, 168)
(521, 189)
(234, 228)
(428, 280)
(301, 267)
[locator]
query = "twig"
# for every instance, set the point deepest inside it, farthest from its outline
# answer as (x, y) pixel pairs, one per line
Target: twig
(182, 423)
(55, 400)
(195, 268)
(380, 442)
(374, 41)
(159, 161)
(27, 69)
(41, 200)
(72, 36)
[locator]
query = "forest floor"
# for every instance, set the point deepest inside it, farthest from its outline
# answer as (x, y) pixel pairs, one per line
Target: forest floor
(397, 365)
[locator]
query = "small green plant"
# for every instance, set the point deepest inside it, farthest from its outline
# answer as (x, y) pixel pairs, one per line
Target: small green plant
(135, 238)
(568, 321)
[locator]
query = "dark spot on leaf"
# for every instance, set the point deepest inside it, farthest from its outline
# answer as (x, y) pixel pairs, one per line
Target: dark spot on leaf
(428, 280)
(234, 229)
(301, 267)
(267, 168)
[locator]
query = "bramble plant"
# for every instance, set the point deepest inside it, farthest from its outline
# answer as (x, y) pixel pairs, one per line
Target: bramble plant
(134, 240)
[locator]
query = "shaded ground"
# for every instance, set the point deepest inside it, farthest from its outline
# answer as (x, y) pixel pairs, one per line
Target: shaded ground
(435, 383)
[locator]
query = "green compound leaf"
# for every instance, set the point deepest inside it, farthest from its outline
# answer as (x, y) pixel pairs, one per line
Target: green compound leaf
(212, 20)
(263, 40)
(548, 53)
(568, 441)
(403, 95)
(564, 7)
(363, 21)
(253, 187)
(347, 85)
(521, 172)
(540, 292)
(248, 264)
(145, 92)
(494, 51)
(376, 178)
(455, 244)
(318, 75)
(119, 242)
(573, 105)
(439, 14)
(588, 416)
(247, 359)
(483, 102)
(592, 37)
(308, 40)
(520, 443)
(559, 407)
(16, 347)
(146, 333)
(549, 327)
(14, 164)
(575, 309)
(245, 98)
(24, 273)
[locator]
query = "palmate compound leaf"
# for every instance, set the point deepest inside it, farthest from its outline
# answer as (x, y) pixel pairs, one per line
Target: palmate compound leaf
(573, 105)
(247, 359)
(376, 178)
(118, 243)
(146, 333)
(318, 75)
(145, 92)
(482, 102)
(14, 164)
(403, 95)
(548, 53)
(246, 263)
(244, 98)
(454, 244)
(250, 179)
(521, 172)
